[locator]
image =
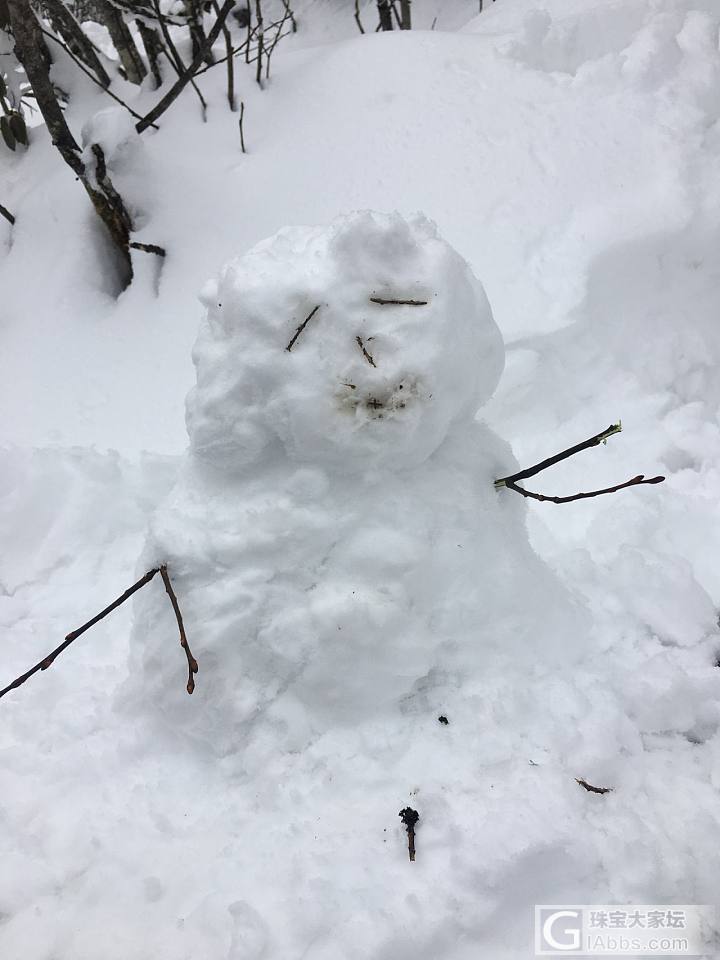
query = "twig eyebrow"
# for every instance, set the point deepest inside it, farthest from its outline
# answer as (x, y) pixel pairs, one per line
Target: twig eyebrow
(405, 303)
(302, 326)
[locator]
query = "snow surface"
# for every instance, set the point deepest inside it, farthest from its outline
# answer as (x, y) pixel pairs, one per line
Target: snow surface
(569, 152)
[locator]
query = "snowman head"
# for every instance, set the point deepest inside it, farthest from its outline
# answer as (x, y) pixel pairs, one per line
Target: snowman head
(356, 345)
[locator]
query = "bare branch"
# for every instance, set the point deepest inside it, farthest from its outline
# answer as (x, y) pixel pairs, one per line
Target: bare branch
(635, 482)
(190, 72)
(176, 61)
(192, 662)
(288, 15)
(50, 658)
(6, 213)
(146, 578)
(511, 481)
(91, 75)
(570, 452)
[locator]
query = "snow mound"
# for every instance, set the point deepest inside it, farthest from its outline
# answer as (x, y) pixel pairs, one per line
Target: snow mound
(296, 347)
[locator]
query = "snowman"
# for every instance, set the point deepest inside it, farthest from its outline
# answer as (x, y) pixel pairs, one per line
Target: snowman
(373, 631)
(334, 536)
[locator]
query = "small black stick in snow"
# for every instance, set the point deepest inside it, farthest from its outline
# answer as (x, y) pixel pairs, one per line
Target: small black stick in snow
(302, 326)
(240, 124)
(192, 662)
(511, 481)
(6, 213)
(367, 356)
(410, 817)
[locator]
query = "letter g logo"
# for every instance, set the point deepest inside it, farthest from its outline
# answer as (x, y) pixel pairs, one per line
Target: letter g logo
(568, 932)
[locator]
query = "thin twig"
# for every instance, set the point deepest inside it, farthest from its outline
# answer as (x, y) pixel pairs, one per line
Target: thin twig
(235, 52)
(278, 34)
(176, 61)
(367, 356)
(6, 213)
(302, 326)
(50, 658)
(286, 4)
(571, 451)
(404, 303)
(92, 76)
(240, 124)
(255, 58)
(635, 482)
(590, 788)
(171, 52)
(148, 248)
(261, 41)
(357, 17)
(192, 662)
(250, 32)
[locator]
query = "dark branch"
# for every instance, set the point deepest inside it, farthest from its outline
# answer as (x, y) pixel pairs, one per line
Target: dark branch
(148, 248)
(511, 481)
(358, 21)
(192, 662)
(571, 451)
(6, 213)
(590, 788)
(50, 658)
(261, 41)
(190, 72)
(302, 327)
(635, 482)
(230, 65)
(240, 124)
(91, 75)
(405, 303)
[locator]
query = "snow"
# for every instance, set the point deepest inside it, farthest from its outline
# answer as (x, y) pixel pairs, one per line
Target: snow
(568, 152)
